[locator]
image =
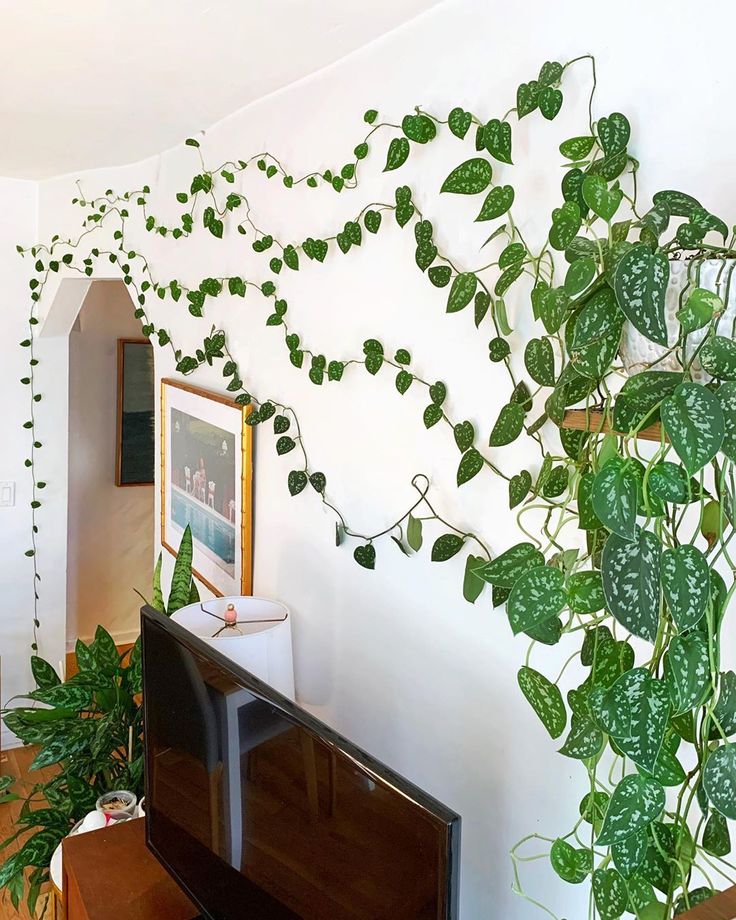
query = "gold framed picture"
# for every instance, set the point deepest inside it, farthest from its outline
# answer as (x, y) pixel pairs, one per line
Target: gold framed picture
(206, 482)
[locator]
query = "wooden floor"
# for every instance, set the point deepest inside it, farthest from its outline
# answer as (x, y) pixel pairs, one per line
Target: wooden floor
(16, 763)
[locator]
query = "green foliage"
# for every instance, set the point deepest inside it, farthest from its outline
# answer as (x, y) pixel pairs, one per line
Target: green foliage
(622, 541)
(92, 734)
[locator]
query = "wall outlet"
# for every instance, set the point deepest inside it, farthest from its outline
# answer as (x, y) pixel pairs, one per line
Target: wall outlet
(7, 494)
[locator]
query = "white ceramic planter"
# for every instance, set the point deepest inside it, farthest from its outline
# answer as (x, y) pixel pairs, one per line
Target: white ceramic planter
(716, 275)
(261, 644)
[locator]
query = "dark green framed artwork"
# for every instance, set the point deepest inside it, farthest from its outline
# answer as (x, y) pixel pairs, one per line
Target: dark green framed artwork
(136, 422)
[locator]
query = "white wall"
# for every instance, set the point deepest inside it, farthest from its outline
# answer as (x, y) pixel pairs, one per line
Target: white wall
(395, 658)
(16, 571)
(110, 530)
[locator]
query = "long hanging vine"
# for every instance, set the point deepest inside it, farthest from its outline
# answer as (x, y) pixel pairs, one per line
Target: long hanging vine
(621, 542)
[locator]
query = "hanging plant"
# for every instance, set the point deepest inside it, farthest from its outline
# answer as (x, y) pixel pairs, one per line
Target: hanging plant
(619, 543)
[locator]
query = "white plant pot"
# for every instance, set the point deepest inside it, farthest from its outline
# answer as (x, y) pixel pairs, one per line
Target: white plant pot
(716, 275)
(261, 644)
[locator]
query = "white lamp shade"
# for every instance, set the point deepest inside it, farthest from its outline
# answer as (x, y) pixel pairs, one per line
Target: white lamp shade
(261, 643)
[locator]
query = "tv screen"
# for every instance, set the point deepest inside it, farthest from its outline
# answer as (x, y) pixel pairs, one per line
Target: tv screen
(261, 811)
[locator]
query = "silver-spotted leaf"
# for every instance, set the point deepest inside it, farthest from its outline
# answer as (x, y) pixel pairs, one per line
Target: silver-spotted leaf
(726, 396)
(537, 596)
(686, 584)
(718, 357)
(609, 893)
(509, 425)
(585, 592)
(687, 671)
(545, 699)
(628, 854)
(505, 570)
(635, 803)
(719, 780)
(635, 712)
(693, 420)
(640, 283)
(469, 178)
(584, 739)
(539, 360)
(725, 709)
(631, 582)
(614, 497)
(573, 865)
(716, 838)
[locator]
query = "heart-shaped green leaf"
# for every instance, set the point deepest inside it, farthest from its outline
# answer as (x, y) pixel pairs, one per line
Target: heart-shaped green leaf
(597, 334)
(615, 494)
(398, 152)
(419, 128)
(725, 710)
(539, 360)
(545, 699)
(461, 292)
(537, 596)
(509, 425)
(631, 582)
(505, 570)
(584, 740)
(693, 420)
(686, 584)
(716, 838)
(527, 98)
(497, 140)
(365, 556)
(519, 486)
(459, 122)
(577, 148)
(698, 309)
(628, 854)
(726, 396)
(610, 894)
(687, 672)
(637, 403)
(469, 178)
(719, 780)
(640, 283)
(635, 711)
(472, 584)
(585, 590)
(550, 102)
(464, 435)
(718, 357)
(566, 222)
(601, 199)
(497, 202)
(635, 803)
(571, 864)
(446, 546)
(471, 463)
(614, 133)
(579, 275)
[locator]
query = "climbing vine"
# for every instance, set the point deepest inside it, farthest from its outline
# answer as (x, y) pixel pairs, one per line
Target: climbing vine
(621, 541)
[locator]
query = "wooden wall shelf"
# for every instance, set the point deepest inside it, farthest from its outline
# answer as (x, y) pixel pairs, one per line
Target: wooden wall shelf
(594, 420)
(720, 907)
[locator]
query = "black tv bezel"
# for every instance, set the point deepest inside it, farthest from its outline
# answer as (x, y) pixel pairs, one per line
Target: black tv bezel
(306, 720)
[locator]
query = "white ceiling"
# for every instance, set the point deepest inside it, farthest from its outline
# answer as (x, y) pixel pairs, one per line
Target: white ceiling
(89, 83)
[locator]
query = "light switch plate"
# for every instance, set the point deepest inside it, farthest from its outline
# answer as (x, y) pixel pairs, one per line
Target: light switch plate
(7, 493)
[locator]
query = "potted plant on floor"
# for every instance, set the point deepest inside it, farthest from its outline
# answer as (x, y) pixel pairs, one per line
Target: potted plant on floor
(89, 730)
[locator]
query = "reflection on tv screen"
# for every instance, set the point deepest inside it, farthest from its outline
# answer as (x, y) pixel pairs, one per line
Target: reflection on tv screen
(261, 817)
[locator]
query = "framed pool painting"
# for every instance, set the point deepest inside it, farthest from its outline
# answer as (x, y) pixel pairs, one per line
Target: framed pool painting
(136, 441)
(206, 482)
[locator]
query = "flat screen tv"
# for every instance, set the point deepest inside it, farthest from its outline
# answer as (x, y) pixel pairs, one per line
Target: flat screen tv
(262, 812)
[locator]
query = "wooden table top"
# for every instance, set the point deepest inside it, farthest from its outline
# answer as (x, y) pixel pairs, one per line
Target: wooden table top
(118, 876)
